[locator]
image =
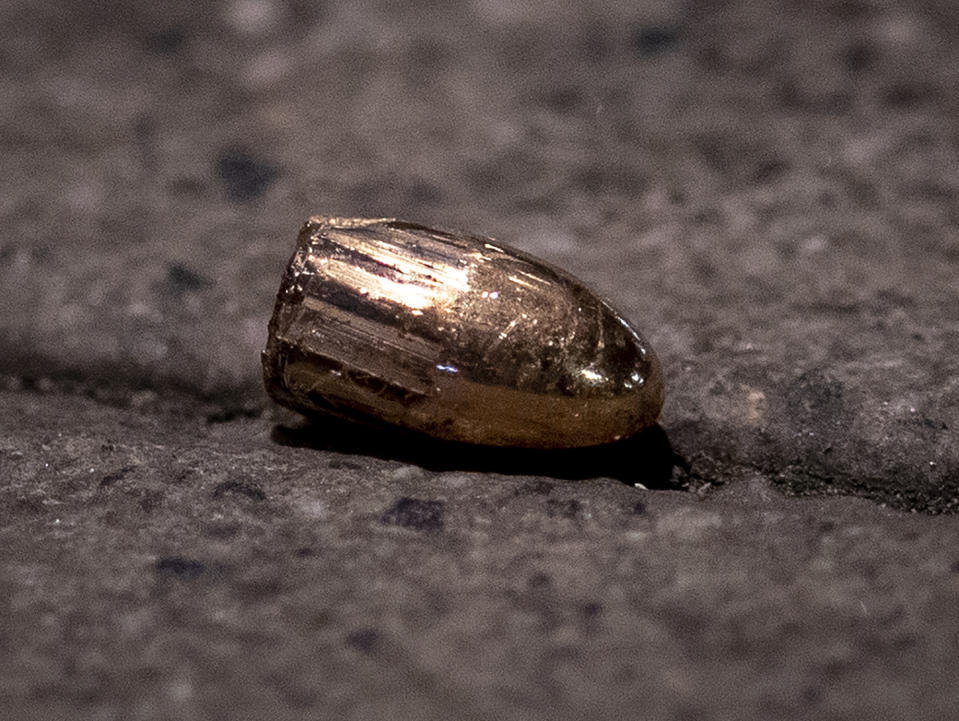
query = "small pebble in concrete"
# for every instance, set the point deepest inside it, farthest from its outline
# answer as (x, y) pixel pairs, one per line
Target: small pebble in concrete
(244, 176)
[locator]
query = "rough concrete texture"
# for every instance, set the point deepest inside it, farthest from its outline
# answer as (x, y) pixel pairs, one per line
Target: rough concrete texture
(768, 189)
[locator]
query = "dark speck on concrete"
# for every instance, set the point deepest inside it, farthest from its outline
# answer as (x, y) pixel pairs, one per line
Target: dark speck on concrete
(859, 57)
(539, 581)
(905, 96)
(239, 488)
(365, 640)
(111, 478)
(933, 424)
(562, 100)
(244, 176)
(655, 39)
(415, 513)
(422, 192)
(181, 279)
(186, 569)
(591, 609)
(770, 170)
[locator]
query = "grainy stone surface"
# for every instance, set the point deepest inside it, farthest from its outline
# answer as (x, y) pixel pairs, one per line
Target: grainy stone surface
(768, 190)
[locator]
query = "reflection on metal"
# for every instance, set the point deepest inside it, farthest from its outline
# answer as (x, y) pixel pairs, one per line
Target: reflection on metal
(449, 334)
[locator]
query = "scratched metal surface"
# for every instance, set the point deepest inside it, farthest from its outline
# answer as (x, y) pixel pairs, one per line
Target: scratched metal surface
(456, 336)
(768, 191)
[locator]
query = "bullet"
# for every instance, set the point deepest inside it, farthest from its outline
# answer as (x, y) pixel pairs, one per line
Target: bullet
(453, 335)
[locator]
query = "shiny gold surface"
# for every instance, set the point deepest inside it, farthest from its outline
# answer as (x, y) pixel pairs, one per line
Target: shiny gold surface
(453, 335)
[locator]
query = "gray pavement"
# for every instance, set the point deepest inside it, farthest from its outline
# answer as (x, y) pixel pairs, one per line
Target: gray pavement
(768, 190)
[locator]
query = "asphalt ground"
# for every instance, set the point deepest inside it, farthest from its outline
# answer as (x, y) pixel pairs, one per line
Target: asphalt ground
(767, 189)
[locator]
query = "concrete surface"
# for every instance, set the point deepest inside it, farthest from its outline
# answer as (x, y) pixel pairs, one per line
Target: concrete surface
(768, 189)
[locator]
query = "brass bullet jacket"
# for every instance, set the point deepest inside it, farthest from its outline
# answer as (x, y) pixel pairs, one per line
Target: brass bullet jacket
(453, 335)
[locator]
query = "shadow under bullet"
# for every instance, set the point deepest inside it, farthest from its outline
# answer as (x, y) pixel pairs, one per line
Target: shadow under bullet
(645, 458)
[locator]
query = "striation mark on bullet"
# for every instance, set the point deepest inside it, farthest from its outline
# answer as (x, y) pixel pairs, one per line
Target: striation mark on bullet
(453, 335)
